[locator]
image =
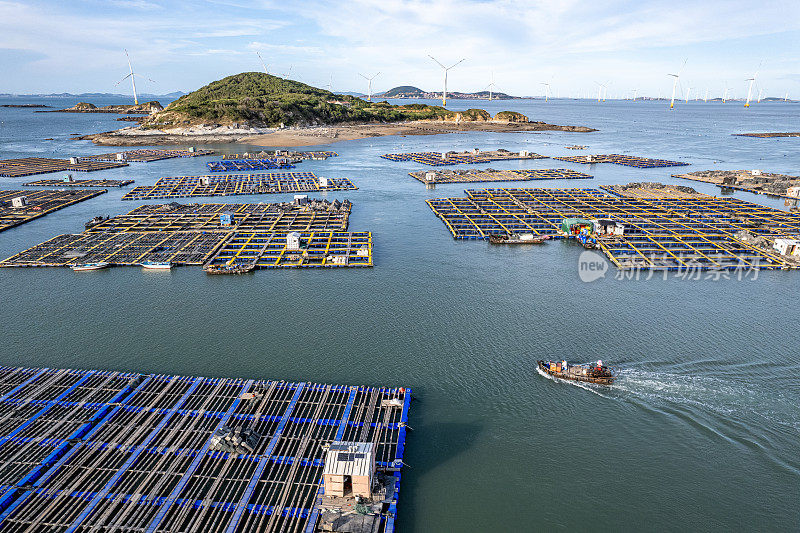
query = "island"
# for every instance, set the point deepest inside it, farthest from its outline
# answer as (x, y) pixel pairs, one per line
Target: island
(266, 110)
(409, 91)
(145, 108)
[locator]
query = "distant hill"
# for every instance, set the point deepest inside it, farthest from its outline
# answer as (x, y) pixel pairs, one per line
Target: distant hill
(142, 96)
(259, 99)
(409, 91)
(404, 91)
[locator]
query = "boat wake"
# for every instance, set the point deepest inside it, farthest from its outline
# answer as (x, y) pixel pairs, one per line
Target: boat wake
(579, 384)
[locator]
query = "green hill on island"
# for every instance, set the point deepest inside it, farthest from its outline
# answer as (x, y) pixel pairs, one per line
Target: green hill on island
(404, 90)
(259, 99)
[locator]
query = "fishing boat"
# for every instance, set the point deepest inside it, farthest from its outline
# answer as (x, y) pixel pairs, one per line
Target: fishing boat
(95, 221)
(88, 266)
(593, 373)
(156, 265)
(517, 238)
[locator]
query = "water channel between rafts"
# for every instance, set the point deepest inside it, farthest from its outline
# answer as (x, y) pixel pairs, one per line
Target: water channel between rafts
(702, 431)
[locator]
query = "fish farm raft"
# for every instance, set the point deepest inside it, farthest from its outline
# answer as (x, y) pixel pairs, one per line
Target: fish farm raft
(223, 238)
(617, 159)
(289, 155)
(69, 182)
(237, 184)
(27, 166)
(147, 155)
(101, 450)
(246, 165)
(18, 207)
(473, 176)
(661, 232)
(456, 158)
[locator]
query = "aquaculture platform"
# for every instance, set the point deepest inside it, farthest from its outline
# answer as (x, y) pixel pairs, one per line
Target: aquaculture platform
(699, 232)
(146, 155)
(237, 184)
(37, 204)
(457, 158)
(246, 165)
(617, 159)
(78, 183)
(101, 450)
(254, 236)
(27, 166)
(288, 155)
(754, 181)
(473, 176)
(314, 215)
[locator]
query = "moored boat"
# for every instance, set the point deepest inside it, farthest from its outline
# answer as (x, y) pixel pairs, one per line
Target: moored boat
(156, 265)
(517, 238)
(88, 266)
(594, 373)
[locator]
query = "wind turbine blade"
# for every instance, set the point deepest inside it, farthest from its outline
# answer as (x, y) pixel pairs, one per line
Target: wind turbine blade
(437, 61)
(454, 64)
(366, 78)
(123, 79)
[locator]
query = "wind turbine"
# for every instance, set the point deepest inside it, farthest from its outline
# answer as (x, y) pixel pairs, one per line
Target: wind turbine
(760, 92)
(369, 85)
(445, 69)
(706, 98)
(600, 88)
(688, 90)
(635, 94)
(491, 86)
(262, 63)
(289, 72)
(330, 84)
(786, 97)
(132, 76)
(546, 91)
(675, 84)
(750, 87)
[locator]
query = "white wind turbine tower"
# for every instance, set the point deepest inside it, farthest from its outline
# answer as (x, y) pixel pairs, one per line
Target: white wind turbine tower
(760, 92)
(445, 69)
(635, 94)
(688, 90)
(491, 87)
(706, 98)
(675, 84)
(262, 63)
(786, 97)
(369, 85)
(330, 84)
(546, 91)
(288, 72)
(750, 87)
(132, 76)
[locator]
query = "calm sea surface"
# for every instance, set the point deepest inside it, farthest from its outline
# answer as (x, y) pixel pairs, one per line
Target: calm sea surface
(702, 431)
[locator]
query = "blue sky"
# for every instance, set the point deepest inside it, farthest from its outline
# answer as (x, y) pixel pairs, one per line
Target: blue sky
(77, 46)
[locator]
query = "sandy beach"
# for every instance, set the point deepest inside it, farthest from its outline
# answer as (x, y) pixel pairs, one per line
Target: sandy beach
(318, 135)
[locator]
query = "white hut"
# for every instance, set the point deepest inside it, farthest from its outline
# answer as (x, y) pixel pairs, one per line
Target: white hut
(349, 469)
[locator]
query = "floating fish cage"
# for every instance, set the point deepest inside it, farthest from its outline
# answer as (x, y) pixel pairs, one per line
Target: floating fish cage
(18, 207)
(617, 159)
(246, 165)
(147, 155)
(456, 158)
(290, 155)
(237, 184)
(475, 176)
(660, 233)
(212, 235)
(102, 450)
(78, 183)
(27, 166)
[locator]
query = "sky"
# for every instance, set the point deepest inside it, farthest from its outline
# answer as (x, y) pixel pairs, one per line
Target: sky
(78, 46)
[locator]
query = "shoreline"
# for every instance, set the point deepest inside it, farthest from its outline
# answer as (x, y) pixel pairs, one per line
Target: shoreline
(316, 135)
